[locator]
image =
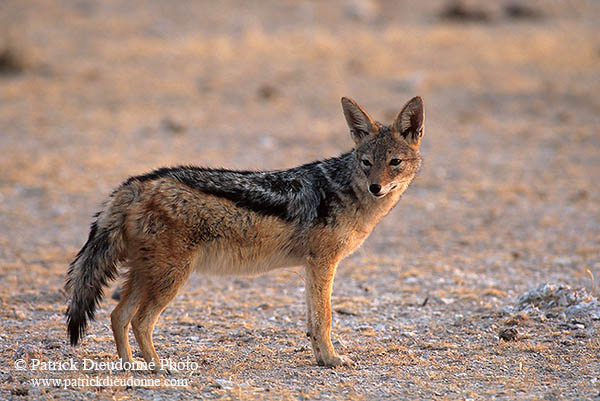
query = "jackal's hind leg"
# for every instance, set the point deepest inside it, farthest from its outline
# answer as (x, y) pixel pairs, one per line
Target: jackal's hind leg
(160, 287)
(121, 318)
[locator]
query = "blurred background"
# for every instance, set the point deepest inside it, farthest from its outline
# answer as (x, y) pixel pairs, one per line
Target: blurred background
(92, 92)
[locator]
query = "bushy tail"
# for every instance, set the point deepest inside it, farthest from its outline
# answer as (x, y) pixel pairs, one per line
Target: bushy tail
(95, 265)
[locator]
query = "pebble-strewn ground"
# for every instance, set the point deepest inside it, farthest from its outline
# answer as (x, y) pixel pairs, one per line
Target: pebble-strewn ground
(508, 197)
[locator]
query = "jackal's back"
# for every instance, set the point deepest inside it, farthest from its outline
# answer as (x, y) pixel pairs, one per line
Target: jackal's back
(306, 194)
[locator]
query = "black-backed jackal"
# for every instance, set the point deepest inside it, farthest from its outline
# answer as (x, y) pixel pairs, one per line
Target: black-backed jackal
(165, 224)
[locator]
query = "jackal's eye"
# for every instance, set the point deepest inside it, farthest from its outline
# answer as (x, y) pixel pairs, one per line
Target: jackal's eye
(395, 162)
(366, 163)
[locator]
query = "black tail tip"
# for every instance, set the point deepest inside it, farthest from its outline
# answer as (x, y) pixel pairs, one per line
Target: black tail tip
(73, 335)
(76, 328)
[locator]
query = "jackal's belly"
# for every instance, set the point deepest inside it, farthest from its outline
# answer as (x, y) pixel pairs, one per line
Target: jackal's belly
(231, 260)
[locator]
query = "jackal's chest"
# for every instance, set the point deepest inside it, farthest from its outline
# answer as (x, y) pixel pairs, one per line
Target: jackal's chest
(354, 240)
(351, 234)
(355, 230)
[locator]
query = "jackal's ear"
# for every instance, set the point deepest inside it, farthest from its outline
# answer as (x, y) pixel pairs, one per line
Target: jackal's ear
(409, 122)
(360, 122)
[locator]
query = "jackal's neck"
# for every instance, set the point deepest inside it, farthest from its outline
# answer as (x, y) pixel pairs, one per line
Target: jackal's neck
(337, 172)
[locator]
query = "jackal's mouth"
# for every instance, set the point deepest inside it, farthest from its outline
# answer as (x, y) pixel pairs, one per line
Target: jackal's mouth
(391, 189)
(380, 195)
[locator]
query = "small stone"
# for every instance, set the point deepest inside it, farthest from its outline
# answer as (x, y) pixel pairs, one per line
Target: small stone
(522, 12)
(361, 10)
(508, 334)
(172, 126)
(11, 61)
(267, 92)
(347, 312)
(465, 11)
(224, 384)
(20, 391)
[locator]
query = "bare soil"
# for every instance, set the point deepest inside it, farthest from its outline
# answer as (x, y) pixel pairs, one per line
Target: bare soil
(508, 197)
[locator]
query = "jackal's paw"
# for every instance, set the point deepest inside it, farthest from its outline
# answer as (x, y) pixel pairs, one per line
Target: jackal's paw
(337, 360)
(163, 371)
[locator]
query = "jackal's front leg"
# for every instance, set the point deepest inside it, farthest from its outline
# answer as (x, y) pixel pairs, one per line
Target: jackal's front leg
(319, 283)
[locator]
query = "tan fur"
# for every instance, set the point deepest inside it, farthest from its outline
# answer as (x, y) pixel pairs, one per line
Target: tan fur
(163, 244)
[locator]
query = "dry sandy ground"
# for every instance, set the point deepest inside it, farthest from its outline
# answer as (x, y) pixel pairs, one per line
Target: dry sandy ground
(508, 197)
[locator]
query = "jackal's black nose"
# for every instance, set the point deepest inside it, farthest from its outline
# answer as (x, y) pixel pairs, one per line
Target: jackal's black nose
(374, 188)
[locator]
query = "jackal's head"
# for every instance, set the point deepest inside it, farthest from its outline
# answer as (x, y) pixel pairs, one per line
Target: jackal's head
(388, 156)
